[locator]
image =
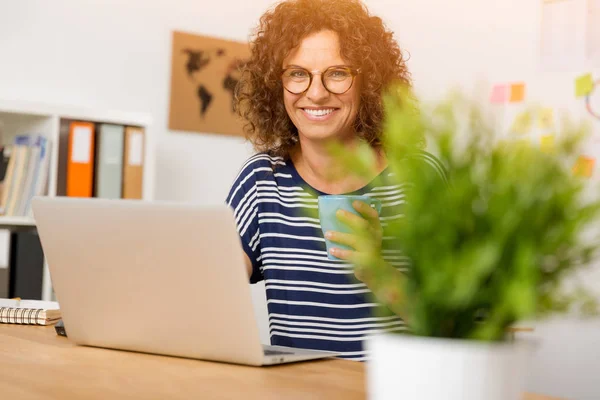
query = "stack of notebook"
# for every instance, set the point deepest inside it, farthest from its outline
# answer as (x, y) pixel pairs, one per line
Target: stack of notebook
(29, 312)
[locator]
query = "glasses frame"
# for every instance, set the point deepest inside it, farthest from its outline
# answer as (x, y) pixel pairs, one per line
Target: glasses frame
(353, 72)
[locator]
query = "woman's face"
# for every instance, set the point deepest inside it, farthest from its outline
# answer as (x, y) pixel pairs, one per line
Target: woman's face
(317, 113)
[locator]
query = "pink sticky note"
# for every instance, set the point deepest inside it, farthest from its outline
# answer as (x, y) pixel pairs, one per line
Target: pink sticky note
(499, 94)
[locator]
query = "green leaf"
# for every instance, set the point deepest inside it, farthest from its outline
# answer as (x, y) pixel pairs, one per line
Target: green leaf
(495, 243)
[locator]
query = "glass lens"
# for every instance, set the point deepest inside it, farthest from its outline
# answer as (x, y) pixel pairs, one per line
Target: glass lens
(338, 80)
(296, 80)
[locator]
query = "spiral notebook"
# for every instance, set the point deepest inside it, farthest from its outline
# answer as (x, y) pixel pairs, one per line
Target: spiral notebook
(29, 312)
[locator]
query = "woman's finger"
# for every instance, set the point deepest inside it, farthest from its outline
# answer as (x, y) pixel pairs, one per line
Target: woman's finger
(363, 263)
(353, 221)
(369, 213)
(342, 254)
(343, 238)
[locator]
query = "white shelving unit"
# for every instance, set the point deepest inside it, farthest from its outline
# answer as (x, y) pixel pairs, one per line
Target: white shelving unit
(16, 221)
(20, 117)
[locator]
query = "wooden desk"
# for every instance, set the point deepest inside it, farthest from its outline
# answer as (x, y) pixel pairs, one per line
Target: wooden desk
(36, 363)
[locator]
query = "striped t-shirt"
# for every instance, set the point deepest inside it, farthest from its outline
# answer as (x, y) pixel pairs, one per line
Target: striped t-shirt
(313, 302)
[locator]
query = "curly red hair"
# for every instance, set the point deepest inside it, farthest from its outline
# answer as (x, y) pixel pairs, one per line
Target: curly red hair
(365, 42)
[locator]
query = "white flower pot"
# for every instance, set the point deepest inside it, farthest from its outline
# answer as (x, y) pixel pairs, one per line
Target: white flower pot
(407, 367)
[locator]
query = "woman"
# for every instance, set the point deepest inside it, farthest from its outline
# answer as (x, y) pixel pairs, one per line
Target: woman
(315, 77)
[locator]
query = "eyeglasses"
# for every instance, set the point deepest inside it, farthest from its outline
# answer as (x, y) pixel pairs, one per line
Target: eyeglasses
(337, 80)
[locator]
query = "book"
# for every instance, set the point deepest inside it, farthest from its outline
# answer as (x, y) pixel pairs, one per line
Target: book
(29, 312)
(4, 160)
(23, 151)
(8, 182)
(38, 184)
(23, 173)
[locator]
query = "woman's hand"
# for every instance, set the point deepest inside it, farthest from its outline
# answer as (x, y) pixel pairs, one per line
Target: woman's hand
(383, 280)
(365, 239)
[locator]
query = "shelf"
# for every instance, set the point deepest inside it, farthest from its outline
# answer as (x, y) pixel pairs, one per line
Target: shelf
(9, 221)
(21, 117)
(48, 110)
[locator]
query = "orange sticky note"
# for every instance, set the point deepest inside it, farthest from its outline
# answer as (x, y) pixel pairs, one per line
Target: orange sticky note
(547, 143)
(584, 166)
(499, 94)
(517, 92)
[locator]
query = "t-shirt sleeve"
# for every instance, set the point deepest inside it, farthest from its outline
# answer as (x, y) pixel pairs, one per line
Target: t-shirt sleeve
(242, 198)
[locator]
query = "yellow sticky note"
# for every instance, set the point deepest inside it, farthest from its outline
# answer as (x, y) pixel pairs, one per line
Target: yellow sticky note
(584, 85)
(584, 166)
(546, 118)
(522, 123)
(547, 143)
(517, 92)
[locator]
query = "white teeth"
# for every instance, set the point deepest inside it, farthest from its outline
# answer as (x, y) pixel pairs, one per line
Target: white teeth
(319, 113)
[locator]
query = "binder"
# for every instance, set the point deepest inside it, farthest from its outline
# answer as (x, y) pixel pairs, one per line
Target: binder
(133, 168)
(26, 265)
(80, 162)
(109, 161)
(63, 157)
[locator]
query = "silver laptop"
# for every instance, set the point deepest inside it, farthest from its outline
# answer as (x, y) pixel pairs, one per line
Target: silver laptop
(154, 277)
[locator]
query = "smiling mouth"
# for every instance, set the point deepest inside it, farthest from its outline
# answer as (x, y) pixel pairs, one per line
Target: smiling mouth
(319, 112)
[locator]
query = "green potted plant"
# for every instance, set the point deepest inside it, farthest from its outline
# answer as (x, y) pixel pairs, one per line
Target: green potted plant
(499, 243)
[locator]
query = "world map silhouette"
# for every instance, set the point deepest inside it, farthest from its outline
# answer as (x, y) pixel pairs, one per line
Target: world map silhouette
(198, 60)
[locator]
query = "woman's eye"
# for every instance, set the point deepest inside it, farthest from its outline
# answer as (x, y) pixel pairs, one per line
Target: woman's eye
(339, 73)
(298, 74)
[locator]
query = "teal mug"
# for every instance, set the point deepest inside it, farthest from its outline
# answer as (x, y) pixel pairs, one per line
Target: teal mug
(328, 206)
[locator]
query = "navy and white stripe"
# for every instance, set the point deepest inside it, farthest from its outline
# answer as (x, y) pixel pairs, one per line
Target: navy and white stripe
(313, 302)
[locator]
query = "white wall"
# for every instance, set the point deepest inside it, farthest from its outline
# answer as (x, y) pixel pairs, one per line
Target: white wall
(116, 54)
